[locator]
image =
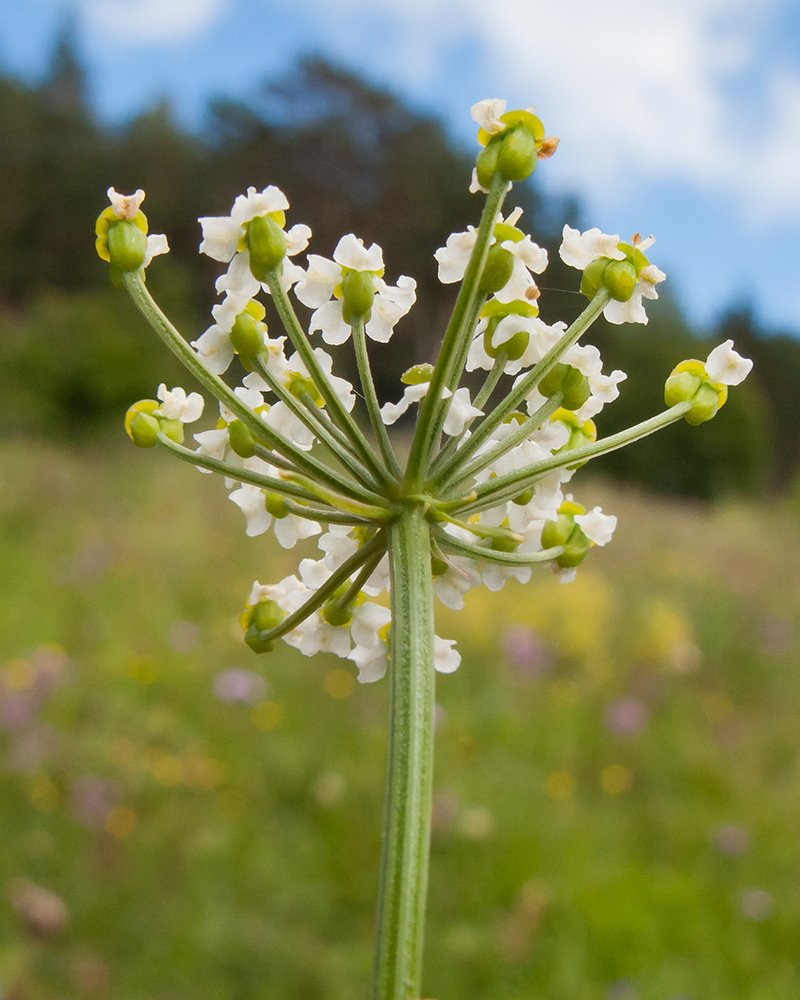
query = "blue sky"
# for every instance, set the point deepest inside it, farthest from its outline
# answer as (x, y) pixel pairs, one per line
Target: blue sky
(682, 120)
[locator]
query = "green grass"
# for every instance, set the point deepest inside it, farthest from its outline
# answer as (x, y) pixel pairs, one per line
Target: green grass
(230, 850)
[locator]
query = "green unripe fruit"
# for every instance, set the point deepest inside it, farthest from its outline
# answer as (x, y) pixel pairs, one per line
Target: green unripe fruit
(498, 270)
(486, 163)
(247, 335)
(417, 374)
(438, 566)
(557, 532)
(142, 429)
(592, 280)
(255, 640)
(266, 615)
(514, 348)
(504, 544)
(517, 157)
(575, 550)
(705, 404)
(619, 278)
(240, 439)
(681, 387)
(358, 291)
(334, 615)
(173, 429)
(575, 388)
(276, 506)
(524, 498)
(267, 243)
(127, 245)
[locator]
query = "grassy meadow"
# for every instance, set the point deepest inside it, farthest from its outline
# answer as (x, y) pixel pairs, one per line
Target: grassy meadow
(617, 797)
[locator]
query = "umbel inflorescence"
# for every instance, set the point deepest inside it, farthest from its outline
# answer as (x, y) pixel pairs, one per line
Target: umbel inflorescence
(488, 474)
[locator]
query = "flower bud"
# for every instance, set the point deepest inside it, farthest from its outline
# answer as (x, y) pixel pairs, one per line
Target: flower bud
(267, 243)
(592, 280)
(141, 426)
(498, 270)
(358, 291)
(240, 439)
(514, 347)
(620, 278)
(517, 157)
(499, 544)
(173, 429)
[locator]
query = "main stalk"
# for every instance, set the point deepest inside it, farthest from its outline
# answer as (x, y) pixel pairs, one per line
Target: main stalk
(409, 783)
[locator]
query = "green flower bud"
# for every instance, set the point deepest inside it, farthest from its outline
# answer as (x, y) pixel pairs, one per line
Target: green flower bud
(301, 385)
(333, 614)
(276, 505)
(681, 387)
(518, 155)
(620, 278)
(267, 243)
(498, 270)
(258, 620)
(127, 245)
(240, 439)
(592, 280)
(358, 291)
(247, 335)
(486, 162)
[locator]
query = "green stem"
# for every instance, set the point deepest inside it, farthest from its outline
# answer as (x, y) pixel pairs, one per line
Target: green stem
(326, 516)
(528, 383)
(479, 402)
(506, 487)
(525, 429)
(458, 331)
(241, 475)
(409, 782)
(482, 554)
(328, 589)
(371, 398)
(310, 420)
(364, 574)
(302, 345)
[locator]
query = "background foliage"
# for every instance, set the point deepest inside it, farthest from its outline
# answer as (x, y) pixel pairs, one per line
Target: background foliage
(351, 158)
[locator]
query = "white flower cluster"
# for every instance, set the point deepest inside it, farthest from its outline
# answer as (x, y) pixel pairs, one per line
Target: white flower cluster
(493, 491)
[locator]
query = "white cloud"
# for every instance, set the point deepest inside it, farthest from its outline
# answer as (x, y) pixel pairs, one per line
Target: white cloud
(136, 22)
(638, 93)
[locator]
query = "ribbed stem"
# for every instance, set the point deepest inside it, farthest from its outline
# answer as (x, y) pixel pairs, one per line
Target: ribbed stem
(409, 782)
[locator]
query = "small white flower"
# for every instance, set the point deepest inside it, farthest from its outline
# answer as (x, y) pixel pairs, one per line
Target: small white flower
(460, 412)
(372, 662)
(221, 234)
(251, 500)
(125, 206)
(176, 405)
(446, 659)
(454, 256)
(488, 114)
(726, 366)
(319, 289)
(156, 244)
(597, 526)
(580, 249)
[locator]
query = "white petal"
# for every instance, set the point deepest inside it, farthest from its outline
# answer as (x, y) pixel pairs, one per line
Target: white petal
(727, 366)
(597, 526)
(488, 113)
(446, 659)
(351, 252)
(125, 206)
(156, 244)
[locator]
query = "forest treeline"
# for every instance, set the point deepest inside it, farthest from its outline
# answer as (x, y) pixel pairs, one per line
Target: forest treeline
(351, 158)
